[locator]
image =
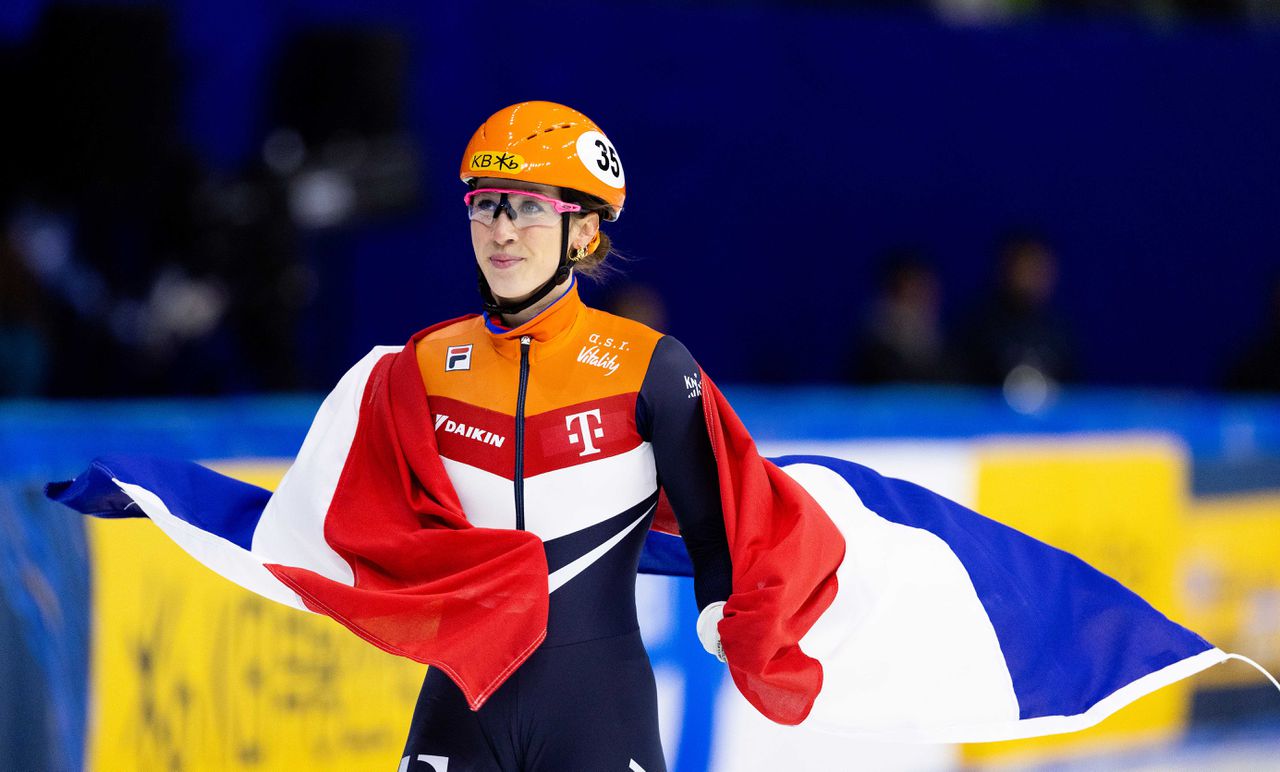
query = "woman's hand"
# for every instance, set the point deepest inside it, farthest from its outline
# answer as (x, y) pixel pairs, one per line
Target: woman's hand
(709, 629)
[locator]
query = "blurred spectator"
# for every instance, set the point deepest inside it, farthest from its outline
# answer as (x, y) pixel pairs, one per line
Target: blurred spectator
(902, 340)
(156, 276)
(24, 350)
(1014, 337)
(1259, 368)
(639, 303)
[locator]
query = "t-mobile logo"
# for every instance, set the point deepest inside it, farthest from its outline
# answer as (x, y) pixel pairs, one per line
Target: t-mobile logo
(585, 431)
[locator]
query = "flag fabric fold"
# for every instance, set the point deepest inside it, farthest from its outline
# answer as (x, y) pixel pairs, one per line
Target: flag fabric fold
(861, 604)
(365, 527)
(936, 624)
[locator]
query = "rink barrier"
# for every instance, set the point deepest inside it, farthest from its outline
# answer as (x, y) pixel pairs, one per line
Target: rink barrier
(201, 697)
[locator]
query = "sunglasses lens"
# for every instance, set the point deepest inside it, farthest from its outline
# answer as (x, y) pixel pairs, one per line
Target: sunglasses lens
(523, 210)
(534, 211)
(483, 207)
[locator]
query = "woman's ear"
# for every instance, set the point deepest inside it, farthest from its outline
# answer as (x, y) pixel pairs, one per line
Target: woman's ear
(585, 229)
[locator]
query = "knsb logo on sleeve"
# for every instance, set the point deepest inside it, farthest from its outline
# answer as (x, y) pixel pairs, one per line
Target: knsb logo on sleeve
(694, 385)
(458, 358)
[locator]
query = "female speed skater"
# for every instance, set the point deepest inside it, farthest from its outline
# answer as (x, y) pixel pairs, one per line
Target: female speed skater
(563, 420)
(480, 500)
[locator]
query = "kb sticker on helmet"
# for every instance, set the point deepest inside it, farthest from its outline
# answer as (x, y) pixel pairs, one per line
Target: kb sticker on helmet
(601, 159)
(486, 161)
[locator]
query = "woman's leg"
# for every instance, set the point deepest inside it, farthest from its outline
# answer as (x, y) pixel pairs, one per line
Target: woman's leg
(590, 706)
(447, 736)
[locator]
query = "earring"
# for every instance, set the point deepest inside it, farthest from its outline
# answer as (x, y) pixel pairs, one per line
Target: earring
(578, 254)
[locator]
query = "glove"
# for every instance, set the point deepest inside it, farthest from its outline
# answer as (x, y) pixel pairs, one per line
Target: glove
(709, 629)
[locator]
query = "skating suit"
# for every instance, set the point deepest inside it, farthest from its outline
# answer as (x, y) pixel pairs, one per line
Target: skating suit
(566, 426)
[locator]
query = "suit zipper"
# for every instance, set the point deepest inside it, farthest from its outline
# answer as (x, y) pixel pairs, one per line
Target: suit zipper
(519, 476)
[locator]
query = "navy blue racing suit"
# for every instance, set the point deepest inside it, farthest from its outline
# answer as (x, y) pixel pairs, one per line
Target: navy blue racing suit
(567, 426)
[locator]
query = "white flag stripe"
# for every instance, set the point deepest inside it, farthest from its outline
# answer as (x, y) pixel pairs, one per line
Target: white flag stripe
(291, 529)
(906, 642)
(228, 559)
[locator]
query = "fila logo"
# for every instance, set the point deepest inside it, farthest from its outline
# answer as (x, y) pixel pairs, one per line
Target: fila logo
(458, 358)
(437, 763)
(585, 432)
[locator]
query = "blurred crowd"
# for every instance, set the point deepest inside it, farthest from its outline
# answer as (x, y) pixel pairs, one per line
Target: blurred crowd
(129, 268)
(1261, 11)
(1011, 337)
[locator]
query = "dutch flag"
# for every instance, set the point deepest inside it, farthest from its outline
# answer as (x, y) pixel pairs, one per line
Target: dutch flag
(861, 604)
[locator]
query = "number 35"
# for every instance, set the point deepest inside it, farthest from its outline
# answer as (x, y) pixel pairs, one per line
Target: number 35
(608, 161)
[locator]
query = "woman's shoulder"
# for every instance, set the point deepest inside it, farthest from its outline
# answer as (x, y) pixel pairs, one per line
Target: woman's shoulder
(449, 329)
(637, 334)
(438, 339)
(664, 355)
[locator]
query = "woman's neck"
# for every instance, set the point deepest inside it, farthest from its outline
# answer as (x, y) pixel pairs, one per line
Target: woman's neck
(515, 320)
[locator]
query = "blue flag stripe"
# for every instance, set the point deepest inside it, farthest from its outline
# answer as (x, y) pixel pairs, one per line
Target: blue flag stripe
(1070, 635)
(202, 497)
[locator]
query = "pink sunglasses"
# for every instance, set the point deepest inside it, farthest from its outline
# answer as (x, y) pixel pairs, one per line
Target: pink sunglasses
(560, 206)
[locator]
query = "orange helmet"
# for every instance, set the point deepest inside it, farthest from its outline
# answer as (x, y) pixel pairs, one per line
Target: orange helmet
(550, 144)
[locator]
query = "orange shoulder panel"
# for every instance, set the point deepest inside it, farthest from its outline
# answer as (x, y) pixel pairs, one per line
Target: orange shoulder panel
(462, 326)
(601, 356)
(606, 355)
(479, 376)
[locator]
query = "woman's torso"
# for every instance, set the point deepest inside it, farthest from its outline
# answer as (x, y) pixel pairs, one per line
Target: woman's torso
(538, 429)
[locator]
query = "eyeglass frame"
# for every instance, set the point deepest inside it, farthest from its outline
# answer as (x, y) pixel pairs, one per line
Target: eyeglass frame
(561, 207)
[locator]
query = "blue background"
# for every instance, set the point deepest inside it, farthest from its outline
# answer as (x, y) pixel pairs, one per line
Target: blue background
(773, 152)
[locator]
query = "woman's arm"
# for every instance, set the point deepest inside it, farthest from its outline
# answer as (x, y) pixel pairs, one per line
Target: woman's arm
(669, 415)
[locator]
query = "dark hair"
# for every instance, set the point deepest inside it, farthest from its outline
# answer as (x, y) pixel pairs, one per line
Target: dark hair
(592, 266)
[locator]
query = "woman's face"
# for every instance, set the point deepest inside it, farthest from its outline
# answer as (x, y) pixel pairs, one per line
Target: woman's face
(516, 261)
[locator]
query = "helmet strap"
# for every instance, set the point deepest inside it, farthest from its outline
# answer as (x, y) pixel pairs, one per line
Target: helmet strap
(494, 306)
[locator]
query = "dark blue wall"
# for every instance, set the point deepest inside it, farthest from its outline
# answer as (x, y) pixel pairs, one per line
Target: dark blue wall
(773, 153)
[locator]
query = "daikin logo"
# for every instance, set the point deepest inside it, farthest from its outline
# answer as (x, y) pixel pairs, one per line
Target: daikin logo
(444, 423)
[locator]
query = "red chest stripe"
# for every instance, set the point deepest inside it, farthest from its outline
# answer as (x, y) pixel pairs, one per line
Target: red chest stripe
(580, 434)
(474, 435)
(557, 439)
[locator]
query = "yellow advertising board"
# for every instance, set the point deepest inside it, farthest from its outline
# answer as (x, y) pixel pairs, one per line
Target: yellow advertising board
(1231, 581)
(191, 672)
(1119, 505)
